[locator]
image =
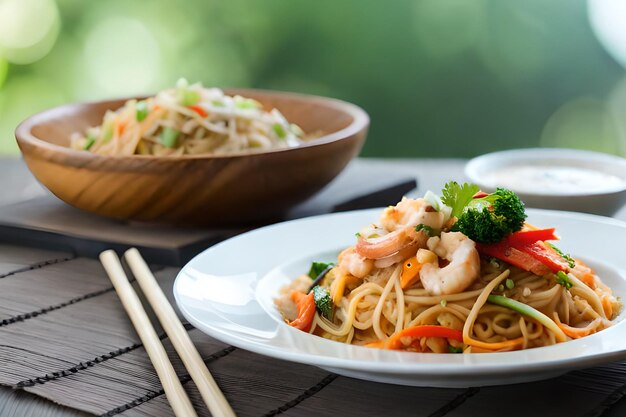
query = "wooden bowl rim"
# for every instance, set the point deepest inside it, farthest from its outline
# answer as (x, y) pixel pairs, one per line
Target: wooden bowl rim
(23, 132)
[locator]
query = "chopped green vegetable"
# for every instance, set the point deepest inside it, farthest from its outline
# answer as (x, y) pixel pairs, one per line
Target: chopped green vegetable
(437, 204)
(563, 279)
(458, 196)
(528, 311)
(373, 236)
(217, 103)
(489, 219)
(141, 110)
(425, 228)
(323, 302)
(570, 261)
(453, 349)
(279, 130)
(90, 140)
(247, 103)
(188, 97)
(357, 234)
(509, 283)
(501, 287)
(443, 302)
(107, 133)
(169, 137)
(317, 268)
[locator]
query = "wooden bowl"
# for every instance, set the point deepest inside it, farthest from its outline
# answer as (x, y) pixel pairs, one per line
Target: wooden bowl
(194, 189)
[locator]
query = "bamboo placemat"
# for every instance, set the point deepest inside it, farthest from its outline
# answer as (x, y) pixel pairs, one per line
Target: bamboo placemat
(64, 336)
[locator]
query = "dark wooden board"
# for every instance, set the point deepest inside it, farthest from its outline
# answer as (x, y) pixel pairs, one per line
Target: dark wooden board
(46, 222)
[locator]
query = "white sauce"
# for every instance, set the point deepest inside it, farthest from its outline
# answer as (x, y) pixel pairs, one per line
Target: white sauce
(545, 179)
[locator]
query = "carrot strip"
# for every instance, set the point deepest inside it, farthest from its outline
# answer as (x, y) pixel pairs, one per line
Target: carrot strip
(378, 344)
(577, 332)
(306, 310)
(589, 279)
(199, 110)
(120, 126)
(395, 342)
(508, 344)
(338, 286)
(410, 272)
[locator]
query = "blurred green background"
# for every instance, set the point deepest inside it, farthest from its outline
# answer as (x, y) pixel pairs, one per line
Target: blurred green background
(439, 78)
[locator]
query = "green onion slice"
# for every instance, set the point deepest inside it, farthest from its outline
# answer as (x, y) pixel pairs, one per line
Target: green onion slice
(279, 130)
(169, 137)
(188, 97)
(91, 139)
(141, 110)
(528, 311)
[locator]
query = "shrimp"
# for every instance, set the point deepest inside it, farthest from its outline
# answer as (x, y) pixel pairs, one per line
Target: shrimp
(463, 269)
(353, 263)
(384, 246)
(400, 222)
(409, 213)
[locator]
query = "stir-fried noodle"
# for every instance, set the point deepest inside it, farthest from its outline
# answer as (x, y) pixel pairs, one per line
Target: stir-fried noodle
(414, 282)
(189, 119)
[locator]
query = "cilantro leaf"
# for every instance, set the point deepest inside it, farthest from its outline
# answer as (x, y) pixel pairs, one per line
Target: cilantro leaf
(458, 196)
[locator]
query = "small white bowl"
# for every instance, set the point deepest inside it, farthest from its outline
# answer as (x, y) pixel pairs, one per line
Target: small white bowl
(559, 179)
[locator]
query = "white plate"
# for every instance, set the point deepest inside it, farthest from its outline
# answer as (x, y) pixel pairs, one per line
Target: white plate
(227, 291)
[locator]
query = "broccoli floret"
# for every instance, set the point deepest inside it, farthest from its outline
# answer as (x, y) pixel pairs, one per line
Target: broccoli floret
(489, 219)
(563, 279)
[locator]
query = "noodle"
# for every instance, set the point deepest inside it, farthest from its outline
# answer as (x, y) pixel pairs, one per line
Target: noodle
(189, 119)
(499, 306)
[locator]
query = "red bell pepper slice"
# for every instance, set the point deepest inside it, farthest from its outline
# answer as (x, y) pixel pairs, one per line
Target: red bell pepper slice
(527, 237)
(526, 250)
(417, 332)
(514, 256)
(546, 256)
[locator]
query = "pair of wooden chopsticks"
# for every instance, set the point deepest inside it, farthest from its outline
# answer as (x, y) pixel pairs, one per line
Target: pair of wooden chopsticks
(176, 395)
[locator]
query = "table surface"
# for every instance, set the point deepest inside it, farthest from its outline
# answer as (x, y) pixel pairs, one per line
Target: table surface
(605, 385)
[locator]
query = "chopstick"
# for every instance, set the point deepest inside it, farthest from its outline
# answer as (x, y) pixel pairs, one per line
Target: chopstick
(176, 395)
(211, 394)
